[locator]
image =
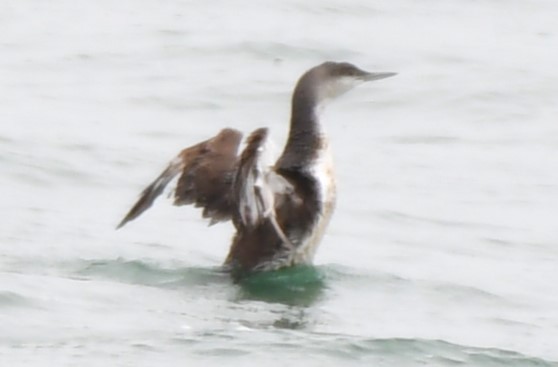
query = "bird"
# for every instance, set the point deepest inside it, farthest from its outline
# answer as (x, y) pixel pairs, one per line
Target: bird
(280, 210)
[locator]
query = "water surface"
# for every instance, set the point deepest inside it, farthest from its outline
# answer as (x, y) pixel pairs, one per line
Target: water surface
(442, 250)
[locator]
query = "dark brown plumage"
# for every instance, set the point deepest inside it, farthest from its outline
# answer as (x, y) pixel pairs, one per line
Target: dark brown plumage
(207, 170)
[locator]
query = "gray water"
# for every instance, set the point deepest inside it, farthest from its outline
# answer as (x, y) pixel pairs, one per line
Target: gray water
(443, 247)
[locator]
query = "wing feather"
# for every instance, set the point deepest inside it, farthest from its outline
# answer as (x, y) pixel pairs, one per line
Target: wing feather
(258, 188)
(206, 176)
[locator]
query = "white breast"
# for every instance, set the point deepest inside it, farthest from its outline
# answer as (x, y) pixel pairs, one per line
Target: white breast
(322, 170)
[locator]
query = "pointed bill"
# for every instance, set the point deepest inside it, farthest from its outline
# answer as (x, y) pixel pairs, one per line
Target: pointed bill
(376, 76)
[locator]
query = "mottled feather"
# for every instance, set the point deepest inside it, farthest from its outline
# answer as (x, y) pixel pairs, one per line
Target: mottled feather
(258, 189)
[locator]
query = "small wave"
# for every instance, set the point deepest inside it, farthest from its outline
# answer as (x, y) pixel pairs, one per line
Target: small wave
(145, 273)
(334, 272)
(401, 351)
(442, 352)
(356, 277)
(11, 299)
(301, 285)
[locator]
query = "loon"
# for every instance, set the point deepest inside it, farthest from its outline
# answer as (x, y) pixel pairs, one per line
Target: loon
(280, 211)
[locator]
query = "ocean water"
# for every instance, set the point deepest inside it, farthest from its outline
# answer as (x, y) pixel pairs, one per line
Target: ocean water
(443, 249)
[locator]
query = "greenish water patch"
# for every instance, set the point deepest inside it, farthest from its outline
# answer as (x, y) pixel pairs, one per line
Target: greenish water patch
(297, 286)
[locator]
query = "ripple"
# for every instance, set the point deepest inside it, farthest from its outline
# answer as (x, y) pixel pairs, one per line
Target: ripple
(336, 273)
(402, 351)
(11, 299)
(145, 273)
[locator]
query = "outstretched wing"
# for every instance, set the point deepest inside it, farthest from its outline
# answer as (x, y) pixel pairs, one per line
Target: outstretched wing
(207, 173)
(258, 189)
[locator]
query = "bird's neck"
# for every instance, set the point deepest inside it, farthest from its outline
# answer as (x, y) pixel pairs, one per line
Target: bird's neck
(306, 135)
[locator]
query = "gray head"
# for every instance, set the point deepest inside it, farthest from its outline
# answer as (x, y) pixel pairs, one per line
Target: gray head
(330, 80)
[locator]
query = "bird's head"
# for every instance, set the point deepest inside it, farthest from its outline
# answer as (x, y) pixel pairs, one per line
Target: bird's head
(329, 80)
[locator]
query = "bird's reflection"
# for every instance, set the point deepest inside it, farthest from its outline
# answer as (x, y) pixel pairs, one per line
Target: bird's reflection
(298, 288)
